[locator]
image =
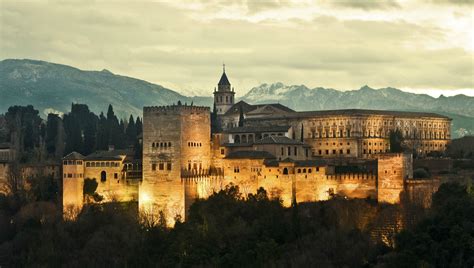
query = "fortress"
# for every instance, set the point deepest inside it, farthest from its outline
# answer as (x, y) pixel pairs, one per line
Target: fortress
(189, 152)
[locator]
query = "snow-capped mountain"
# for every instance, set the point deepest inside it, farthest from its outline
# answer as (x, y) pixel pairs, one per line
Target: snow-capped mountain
(300, 97)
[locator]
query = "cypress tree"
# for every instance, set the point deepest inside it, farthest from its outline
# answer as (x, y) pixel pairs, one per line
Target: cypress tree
(139, 126)
(52, 126)
(90, 134)
(302, 133)
(102, 133)
(241, 117)
(131, 131)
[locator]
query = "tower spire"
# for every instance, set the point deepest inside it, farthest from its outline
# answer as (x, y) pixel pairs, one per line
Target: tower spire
(223, 67)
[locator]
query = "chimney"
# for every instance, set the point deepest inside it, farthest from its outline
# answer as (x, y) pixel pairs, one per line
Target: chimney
(111, 147)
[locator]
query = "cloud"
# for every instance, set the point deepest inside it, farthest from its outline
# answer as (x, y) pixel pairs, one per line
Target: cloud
(183, 47)
(454, 2)
(367, 4)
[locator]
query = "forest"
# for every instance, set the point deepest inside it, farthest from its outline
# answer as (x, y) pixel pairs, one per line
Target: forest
(80, 130)
(232, 231)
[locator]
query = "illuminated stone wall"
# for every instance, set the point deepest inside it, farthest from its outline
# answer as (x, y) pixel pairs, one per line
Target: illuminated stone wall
(393, 170)
(303, 184)
(73, 183)
(176, 145)
(3, 177)
(112, 184)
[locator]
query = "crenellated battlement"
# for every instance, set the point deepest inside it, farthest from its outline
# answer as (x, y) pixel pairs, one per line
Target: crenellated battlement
(176, 108)
(352, 177)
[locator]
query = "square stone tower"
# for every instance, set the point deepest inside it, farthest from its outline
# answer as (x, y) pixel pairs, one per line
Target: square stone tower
(392, 172)
(176, 144)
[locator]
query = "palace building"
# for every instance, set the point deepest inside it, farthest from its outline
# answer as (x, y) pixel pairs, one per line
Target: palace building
(297, 156)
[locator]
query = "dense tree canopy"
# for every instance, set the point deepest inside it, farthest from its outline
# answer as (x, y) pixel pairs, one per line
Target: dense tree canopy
(230, 230)
(79, 130)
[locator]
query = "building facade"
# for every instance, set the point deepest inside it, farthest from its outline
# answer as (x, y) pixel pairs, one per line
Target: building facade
(295, 156)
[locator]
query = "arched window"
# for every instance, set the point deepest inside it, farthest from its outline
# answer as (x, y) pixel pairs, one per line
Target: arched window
(103, 176)
(285, 171)
(237, 139)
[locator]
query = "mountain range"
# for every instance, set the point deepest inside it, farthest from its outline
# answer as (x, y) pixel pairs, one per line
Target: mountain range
(51, 87)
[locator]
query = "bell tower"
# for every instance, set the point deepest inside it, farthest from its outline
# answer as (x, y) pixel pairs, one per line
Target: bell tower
(224, 95)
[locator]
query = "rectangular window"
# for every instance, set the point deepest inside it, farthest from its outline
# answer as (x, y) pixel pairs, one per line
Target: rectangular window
(282, 151)
(161, 166)
(222, 151)
(348, 151)
(341, 152)
(333, 151)
(153, 167)
(317, 169)
(168, 166)
(296, 151)
(115, 176)
(289, 150)
(327, 152)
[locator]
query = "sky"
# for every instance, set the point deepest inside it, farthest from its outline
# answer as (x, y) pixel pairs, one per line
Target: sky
(418, 46)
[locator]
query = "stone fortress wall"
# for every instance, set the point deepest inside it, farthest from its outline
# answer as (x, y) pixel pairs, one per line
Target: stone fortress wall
(191, 153)
(176, 144)
(295, 156)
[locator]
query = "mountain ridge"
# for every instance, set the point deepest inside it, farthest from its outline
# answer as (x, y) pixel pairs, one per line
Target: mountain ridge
(52, 87)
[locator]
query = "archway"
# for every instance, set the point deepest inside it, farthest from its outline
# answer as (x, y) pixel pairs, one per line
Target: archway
(103, 176)
(285, 171)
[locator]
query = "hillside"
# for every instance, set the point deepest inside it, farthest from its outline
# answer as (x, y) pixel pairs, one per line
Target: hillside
(53, 87)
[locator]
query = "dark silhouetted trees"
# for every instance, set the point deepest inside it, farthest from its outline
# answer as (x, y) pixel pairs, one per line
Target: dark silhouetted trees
(396, 141)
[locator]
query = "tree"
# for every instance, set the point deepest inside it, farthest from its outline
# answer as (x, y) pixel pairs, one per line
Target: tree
(72, 128)
(396, 140)
(102, 133)
(52, 128)
(90, 134)
(89, 190)
(24, 124)
(131, 132)
(302, 133)
(114, 129)
(241, 116)
(139, 126)
(444, 239)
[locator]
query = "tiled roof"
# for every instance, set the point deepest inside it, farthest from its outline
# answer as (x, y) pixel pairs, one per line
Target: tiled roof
(74, 156)
(298, 163)
(250, 155)
(247, 108)
(279, 140)
(235, 109)
(238, 144)
(310, 163)
(256, 129)
(353, 112)
(107, 155)
(5, 145)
